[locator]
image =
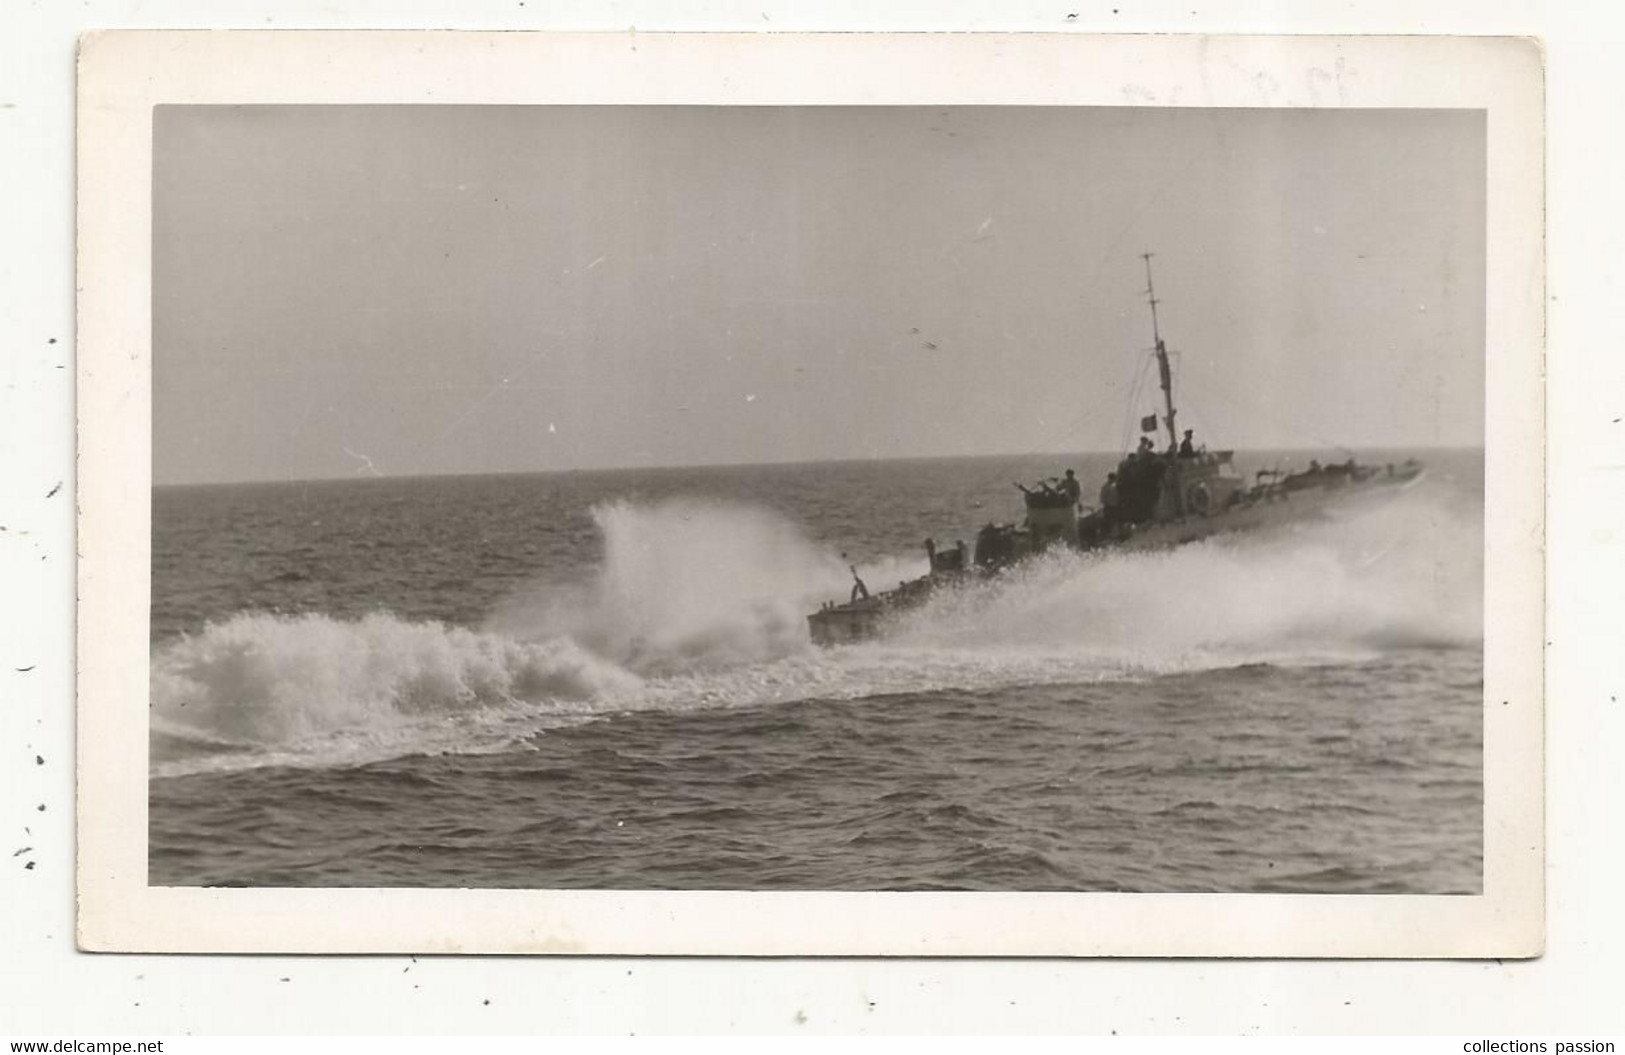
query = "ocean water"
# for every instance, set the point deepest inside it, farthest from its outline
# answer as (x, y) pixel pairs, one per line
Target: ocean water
(603, 679)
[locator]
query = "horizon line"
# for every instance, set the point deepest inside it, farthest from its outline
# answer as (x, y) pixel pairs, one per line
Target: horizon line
(781, 463)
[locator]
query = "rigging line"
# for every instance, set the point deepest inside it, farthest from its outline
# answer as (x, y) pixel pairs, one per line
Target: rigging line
(1131, 408)
(1131, 412)
(1204, 426)
(1235, 402)
(1128, 408)
(1133, 398)
(1092, 410)
(1155, 197)
(1083, 416)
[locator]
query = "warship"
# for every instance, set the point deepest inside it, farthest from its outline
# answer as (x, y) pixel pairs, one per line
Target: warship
(1155, 499)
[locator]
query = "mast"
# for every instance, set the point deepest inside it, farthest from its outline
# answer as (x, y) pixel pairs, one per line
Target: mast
(1162, 355)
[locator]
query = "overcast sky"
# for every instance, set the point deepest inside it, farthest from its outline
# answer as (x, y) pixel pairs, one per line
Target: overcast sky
(345, 289)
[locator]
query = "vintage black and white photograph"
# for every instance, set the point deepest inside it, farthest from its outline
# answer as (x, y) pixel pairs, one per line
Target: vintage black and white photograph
(796, 494)
(844, 498)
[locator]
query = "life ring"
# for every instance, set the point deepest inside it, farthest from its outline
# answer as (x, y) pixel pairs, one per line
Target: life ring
(1197, 498)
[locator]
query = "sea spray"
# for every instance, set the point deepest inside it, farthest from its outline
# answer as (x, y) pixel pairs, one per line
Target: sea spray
(691, 586)
(698, 605)
(262, 679)
(1395, 575)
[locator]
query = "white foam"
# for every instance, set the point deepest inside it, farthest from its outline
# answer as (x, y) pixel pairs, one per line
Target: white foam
(287, 682)
(690, 586)
(1404, 574)
(699, 605)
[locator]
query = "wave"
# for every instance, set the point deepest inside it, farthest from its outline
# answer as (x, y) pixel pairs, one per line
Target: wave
(688, 586)
(1406, 574)
(295, 685)
(698, 605)
(691, 606)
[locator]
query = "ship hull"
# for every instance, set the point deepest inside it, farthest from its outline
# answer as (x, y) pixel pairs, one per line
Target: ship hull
(1287, 508)
(869, 618)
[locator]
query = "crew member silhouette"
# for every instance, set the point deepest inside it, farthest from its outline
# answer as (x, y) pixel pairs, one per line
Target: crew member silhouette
(1071, 488)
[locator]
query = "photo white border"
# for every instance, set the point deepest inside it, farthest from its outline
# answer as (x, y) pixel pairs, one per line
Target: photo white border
(124, 74)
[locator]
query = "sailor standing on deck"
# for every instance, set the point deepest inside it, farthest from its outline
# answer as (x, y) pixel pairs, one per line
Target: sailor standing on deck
(1109, 499)
(1071, 488)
